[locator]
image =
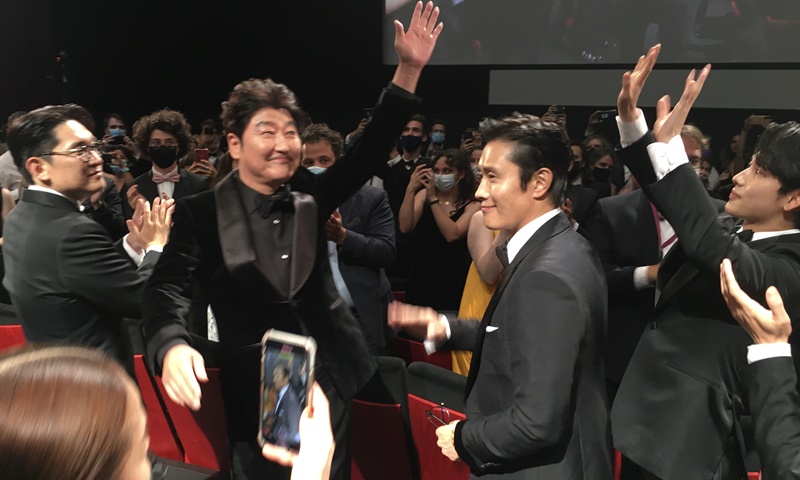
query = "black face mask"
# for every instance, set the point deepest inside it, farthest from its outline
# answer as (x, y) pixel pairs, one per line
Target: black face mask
(574, 173)
(163, 156)
(601, 175)
(410, 143)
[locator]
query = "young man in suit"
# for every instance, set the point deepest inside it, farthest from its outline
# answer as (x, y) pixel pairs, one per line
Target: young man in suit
(678, 407)
(67, 281)
(360, 237)
(536, 401)
(283, 280)
(769, 378)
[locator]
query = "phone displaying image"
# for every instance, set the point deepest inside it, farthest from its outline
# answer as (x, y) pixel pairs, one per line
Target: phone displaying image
(200, 154)
(287, 373)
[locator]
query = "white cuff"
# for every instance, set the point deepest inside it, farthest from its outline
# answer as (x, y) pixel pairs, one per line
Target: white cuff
(640, 281)
(666, 157)
(576, 226)
(154, 248)
(135, 256)
(630, 133)
(762, 351)
(430, 345)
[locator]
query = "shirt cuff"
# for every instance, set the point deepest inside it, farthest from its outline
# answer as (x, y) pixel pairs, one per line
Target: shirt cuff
(763, 351)
(666, 157)
(640, 281)
(154, 248)
(430, 345)
(137, 257)
(632, 132)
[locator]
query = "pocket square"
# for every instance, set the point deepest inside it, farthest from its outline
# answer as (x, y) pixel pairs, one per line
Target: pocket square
(491, 328)
(352, 223)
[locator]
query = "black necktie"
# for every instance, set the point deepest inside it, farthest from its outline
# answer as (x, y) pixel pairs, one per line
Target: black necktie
(745, 235)
(502, 254)
(280, 201)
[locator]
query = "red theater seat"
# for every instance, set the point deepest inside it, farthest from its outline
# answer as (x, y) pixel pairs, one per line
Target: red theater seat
(433, 465)
(414, 351)
(378, 442)
(162, 439)
(11, 336)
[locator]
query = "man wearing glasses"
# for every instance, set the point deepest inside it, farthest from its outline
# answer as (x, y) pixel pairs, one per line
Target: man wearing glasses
(67, 281)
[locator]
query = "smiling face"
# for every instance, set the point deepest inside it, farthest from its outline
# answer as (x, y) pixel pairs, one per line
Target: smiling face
(75, 175)
(756, 199)
(269, 150)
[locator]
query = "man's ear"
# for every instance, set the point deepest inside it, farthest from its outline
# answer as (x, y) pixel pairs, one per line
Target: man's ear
(234, 145)
(540, 182)
(792, 200)
(38, 168)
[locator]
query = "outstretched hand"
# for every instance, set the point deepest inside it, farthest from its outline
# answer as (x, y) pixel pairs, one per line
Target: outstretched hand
(415, 46)
(669, 121)
(633, 83)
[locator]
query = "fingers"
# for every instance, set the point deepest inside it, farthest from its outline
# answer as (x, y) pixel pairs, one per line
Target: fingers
(399, 31)
(663, 107)
(278, 455)
(199, 367)
(775, 303)
(434, 16)
(416, 16)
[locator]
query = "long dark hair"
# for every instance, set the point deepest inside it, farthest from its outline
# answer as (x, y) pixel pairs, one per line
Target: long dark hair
(459, 160)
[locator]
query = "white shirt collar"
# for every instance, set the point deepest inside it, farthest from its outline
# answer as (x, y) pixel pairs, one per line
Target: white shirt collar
(525, 233)
(763, 235)
(40, 188)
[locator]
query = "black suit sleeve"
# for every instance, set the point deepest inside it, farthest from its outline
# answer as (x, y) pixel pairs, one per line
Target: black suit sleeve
(775, 408)
(375, 248)
(91, 267)
(546, 354)
(109, 213)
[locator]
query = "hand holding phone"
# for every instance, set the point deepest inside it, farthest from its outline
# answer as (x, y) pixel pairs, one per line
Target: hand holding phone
(287, 373)
(200, 154)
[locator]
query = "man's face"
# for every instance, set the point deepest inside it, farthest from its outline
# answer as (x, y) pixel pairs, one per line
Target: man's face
(438, 128)
(76, 175)
(114, 123)
(755, 199)
(694, 150)
(503, 202)
(594, 143)
(318, 154)
(734, 142)
(269, 150)
(703, 171)
(577, 156)
(278, 378)
(414, 128)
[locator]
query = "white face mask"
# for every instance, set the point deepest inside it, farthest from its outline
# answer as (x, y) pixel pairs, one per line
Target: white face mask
(316, 170)
(444, 183)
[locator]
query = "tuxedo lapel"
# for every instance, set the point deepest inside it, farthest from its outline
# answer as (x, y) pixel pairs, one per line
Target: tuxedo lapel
(147, 187)
(182, 188)
(304, 240)
(551, 228)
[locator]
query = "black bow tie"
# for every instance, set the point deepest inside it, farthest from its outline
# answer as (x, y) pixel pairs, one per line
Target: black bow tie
(502, 254)
(280, 201)
(745, 235)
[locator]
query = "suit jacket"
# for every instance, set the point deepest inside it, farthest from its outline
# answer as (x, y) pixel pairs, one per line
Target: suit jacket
(775, 408)
(536, 400)
(678, 407)
(110, 212)
(584, 201)
(212, 243)
(625, 235)
(190, 184)
(67, 281)
(368, 248)
(287, 420)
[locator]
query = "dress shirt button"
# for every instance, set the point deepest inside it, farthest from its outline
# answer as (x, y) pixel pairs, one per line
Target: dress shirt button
(284, 256)
(276, 221)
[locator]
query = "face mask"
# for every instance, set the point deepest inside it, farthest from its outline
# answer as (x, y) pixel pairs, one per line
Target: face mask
(410, 143)
(444, 183)
(117, 132)
(316, 170)
(437, 138)
(573, 174)
(163, 156)
(601, 174)
(477, 172)
(119, 169)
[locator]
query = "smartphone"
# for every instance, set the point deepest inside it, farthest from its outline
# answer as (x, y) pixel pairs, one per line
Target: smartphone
(287, 374)
(200, 154)
(558, 109)
(606, 114)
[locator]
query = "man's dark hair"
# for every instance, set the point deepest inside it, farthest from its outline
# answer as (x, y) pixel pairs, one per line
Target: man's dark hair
(421, 119)
(76, 112)
(14, 116)
(537, 145)
(32, 135)
(459, 160)
(320, 132)
(438, 121)
(110, 116)
(170, 121)
(250, 96)
(778, 152)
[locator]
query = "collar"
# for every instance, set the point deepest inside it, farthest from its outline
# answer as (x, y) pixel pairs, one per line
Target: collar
(763, 235)
(39, 188)
(153, 169)
(525, 233)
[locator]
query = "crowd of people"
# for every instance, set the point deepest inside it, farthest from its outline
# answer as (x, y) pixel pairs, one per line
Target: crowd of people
(596, 296)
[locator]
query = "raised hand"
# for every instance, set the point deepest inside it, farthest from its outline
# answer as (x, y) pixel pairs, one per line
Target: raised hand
(632, 84)
(415, 46)
(669, 121)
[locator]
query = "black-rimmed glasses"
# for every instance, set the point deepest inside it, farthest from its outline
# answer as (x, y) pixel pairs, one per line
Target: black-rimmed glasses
(438, 415)
(85, 152)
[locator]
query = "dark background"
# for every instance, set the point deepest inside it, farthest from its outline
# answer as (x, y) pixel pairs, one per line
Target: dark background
(137, 57)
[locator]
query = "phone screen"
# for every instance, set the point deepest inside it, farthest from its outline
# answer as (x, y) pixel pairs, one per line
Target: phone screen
(283, 396)
(200, 154)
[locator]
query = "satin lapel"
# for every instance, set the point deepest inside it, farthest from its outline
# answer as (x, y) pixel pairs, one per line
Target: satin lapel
(553, 227)
(147, 188)
(235, 238)
(304, 240)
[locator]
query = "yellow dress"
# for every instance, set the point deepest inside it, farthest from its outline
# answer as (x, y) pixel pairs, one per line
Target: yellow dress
(474, 300)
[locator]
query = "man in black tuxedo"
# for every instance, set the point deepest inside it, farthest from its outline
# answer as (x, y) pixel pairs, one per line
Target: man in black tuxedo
(257, 246)
(769, 377)
(287, 408)
(678, 407)
(67, 281)
(163, 137)
(535, 396)
(360, 237)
